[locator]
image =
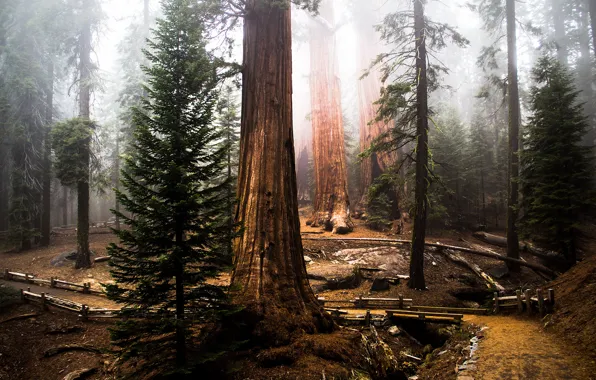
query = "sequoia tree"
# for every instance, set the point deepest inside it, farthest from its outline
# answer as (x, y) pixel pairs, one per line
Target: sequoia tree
(331, 207)
(514, 121)
(269, 277)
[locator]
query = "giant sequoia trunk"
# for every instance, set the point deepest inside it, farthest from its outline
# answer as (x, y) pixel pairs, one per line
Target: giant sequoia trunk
(83, 253)
(421, 204)
(514, 121)
(369, 91)
(47, 164)
(269, 277)
(331, 203)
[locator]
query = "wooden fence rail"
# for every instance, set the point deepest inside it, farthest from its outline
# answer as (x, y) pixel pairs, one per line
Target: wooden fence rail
(52, 283)
(541, 302)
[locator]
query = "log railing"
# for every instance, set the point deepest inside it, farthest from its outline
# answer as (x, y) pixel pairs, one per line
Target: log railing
(52, 282)
(541, 301)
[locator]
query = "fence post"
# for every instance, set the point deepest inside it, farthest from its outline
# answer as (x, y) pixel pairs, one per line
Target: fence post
(29, 278)
(84, 314)
(520, 304)
(401, 301)
(540, 301)
(528, 302)
(86, 287)
(6, 274)
(23, 296)
(52, 282)
(44, 306)
(367, 318)
(551, 299)
(496, 302)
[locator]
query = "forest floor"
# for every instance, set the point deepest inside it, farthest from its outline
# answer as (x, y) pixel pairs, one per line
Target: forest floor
(522, 348)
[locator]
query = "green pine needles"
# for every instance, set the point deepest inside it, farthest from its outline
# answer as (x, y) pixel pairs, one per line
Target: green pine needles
(176, 200)
(556, 178)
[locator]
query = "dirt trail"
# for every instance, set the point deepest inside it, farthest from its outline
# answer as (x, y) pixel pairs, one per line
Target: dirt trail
(517, 348)
(87, 299)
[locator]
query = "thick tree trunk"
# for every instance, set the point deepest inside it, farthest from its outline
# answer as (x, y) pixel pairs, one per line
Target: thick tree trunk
(47, 164)
(419, 231)
(180, 327)
(117, 179)
(65, 206)
(560, 33)
(514, 121)
(269, 277)
(369, 91)
(331, 204)
(83, 253)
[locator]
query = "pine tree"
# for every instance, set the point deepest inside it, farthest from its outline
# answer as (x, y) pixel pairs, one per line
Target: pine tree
(177, 235)
(556, 171)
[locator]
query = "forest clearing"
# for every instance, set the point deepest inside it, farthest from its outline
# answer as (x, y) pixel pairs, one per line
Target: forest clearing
(297, 189)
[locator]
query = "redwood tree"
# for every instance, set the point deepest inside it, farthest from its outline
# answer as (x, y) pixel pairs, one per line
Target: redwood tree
(514, 121)
(421, 203)
(269, 277)
(331, 208)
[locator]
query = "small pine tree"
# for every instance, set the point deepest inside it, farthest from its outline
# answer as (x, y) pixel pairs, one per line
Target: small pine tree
(556, 176)
(177, 202)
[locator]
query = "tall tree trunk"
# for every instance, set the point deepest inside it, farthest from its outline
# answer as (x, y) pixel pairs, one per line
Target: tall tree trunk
(369, 91)
(514, 121)
(83, 253)
(47, 165)
(331, 204)
(560, 34)
(117, 179)
(419, 232)
(593, 23)
(180, 326)
(584, 69)
(270, 274)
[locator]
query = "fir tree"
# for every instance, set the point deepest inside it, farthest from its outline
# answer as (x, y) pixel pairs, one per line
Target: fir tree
(178, 229)
(556, 170)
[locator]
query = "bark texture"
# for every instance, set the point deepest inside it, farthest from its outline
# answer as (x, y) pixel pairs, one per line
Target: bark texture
(331, 209)
(83, 253)
(47, 164)
(369, 91)
(421, 204)
(269, 277)
(514, 121)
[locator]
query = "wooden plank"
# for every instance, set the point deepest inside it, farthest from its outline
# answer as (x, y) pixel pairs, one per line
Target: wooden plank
(508, 298)
(462, 310)
(425, 314)
(68, 283)
(528, 301)
(385, 299)
(520, 303)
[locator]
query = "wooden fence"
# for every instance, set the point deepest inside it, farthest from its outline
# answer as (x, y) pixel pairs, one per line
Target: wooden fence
(52, 283)
(84, 312)
(541, 302)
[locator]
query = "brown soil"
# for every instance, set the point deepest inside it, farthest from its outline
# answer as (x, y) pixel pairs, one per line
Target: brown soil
(575, 311)
(517, 348)
(23, 343)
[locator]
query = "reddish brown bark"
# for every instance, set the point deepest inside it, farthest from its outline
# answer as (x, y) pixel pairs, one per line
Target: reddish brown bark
(331, 208)
(369, 91)
(269, 277)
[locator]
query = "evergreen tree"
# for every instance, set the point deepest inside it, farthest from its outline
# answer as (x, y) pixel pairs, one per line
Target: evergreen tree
(178, 229)
(556, 170)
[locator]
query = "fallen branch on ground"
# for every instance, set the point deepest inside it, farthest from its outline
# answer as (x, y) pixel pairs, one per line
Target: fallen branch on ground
(456, 258)
(70, 347)
(445, 246)
(19, 317)
(80, 374)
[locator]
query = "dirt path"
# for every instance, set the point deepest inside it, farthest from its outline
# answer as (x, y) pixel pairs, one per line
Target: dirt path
(87, 299)
(514, 348)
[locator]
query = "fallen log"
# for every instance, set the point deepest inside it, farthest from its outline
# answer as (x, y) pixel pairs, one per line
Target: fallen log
(19, 317)
(456, 258)
(101, 259)
(445, 246)
(80, 374)
(524, 246)
(70, 347)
